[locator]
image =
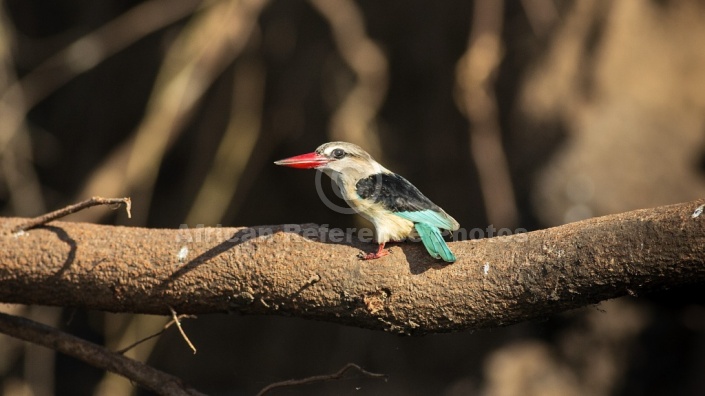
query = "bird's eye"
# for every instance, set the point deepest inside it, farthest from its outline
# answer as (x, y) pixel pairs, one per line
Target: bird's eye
(338, 153)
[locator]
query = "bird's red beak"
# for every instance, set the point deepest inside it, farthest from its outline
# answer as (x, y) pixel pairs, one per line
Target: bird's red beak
(304, 161)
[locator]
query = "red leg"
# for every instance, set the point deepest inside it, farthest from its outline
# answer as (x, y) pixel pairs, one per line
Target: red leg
(380, 253)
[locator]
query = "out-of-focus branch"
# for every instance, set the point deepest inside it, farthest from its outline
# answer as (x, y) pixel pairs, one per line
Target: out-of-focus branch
(541, 14)
(236, 147)
(93, 354)
(84, 54)
(21, 183)
(205, 47)
(353, 121)
(314, 273)
(21, 95)
(476, 73)
(555, 82)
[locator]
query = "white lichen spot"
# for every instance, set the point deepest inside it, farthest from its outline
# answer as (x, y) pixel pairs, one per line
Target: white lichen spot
(698, 211)
(19, 234)
(183, 253)
(486, 268)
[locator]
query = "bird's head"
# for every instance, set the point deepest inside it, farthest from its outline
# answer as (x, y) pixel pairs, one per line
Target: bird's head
(336, 157)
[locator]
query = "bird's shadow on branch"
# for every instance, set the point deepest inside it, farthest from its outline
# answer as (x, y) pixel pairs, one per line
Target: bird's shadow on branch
(312, 232)
(419, 260)
(416, 256)
(241, 236)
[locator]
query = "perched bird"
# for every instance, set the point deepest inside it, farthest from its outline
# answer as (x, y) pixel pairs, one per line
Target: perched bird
(394, 206)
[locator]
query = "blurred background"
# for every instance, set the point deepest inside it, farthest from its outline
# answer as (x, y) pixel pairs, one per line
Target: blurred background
(527, 114)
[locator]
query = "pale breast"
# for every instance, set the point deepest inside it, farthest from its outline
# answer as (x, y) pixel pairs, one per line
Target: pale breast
(388, 226)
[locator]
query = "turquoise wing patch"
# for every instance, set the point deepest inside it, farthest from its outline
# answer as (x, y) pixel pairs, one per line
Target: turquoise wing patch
(430, 217)
(434, 243)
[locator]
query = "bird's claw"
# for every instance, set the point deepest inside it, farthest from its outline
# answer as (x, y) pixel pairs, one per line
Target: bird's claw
(375, 255)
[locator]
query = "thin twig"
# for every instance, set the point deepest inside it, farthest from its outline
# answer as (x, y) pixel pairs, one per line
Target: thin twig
(321, 378)
(145, 339)
(157, 334)
(95, 355)
(57, 214)
(176, 320)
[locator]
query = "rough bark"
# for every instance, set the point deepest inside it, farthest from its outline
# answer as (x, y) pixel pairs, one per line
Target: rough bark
(297, 270)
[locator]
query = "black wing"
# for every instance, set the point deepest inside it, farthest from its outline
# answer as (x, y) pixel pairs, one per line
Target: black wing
(394, 192)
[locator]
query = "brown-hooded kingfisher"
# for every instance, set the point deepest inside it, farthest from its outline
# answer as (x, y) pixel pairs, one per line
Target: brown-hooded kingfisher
(394, 206)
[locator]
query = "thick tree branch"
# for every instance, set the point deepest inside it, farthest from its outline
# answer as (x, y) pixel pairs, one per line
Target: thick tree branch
(283, 270)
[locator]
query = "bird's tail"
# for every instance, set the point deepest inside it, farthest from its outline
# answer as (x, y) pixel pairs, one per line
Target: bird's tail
(434, 243)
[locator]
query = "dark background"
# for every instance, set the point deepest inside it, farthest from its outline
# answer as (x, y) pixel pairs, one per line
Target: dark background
(591, 108)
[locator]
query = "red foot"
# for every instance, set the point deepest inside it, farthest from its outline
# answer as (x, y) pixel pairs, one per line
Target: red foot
(380, 253)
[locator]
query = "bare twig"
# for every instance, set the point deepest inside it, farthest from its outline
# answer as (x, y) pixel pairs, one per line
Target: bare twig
(57, 214)
(94, 355)
(157, 334)
(145, 339)
(321, 378)
(175, 319)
